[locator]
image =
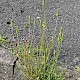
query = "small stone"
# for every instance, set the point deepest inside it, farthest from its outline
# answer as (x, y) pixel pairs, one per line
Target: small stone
(5, 72)
(1, 60)
(7, 62)
(78, 78)
(37, 10)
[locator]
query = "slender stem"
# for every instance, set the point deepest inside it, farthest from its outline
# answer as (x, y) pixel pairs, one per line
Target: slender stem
(29, 64)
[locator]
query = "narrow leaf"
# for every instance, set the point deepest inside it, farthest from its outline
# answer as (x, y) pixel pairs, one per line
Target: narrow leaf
(34, 20)
(29, 20)
(61, 30)
(59, 39)
(57, 13)
(17, 30)
(41, 24)
(62, 37)
(11, 23)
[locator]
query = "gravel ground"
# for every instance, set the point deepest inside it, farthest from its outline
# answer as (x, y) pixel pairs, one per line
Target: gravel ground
(69, 19)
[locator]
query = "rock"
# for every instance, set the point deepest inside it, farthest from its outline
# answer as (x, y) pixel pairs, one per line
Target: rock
(69, 72)
(6, 66)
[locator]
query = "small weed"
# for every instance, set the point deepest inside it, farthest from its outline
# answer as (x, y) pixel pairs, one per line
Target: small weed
(35, 61)
(3, 41)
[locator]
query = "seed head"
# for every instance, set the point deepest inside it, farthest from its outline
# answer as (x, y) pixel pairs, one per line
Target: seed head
(38, 18)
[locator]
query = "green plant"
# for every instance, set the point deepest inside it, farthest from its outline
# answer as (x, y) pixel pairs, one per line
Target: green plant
(35, 61)
(3, 41)
(38, 61)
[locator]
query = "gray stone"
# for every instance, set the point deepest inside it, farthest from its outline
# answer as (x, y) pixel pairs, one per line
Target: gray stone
(6, 66)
